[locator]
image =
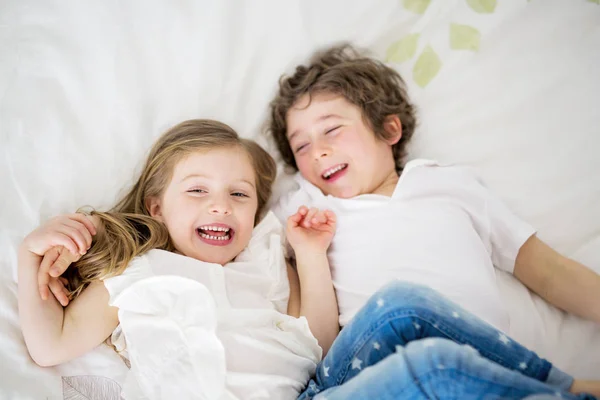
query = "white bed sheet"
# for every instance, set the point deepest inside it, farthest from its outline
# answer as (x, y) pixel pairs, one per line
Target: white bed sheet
(85, 87)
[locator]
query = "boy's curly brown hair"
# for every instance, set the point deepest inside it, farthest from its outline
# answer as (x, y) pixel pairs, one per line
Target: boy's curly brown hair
(375, 88)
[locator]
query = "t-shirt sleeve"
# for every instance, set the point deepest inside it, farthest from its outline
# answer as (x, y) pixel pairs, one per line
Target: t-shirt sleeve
(502, 231)
(138, 269)
(288, 204)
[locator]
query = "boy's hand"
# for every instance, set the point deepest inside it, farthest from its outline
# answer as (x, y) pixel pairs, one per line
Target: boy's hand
(311, 230)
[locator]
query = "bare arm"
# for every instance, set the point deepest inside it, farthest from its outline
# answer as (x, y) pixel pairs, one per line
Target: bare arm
(311, 289)
(54, 334)
(561, 281)
(294, 301)
(315, 299)
(318, 302)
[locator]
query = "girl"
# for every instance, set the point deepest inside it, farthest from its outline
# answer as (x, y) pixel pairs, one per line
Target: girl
(194, 209)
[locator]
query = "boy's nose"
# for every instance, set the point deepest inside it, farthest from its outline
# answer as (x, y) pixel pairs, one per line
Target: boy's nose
(320, 151)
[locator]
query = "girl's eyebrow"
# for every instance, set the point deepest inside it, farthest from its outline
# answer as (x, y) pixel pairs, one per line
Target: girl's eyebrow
(185, 178)
(247, 182)
(207, 177)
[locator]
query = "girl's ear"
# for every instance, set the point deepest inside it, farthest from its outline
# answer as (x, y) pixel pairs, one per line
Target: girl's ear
(153, 205)
(393, 127)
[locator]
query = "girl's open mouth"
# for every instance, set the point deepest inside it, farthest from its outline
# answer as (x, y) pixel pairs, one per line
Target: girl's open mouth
(215, 234)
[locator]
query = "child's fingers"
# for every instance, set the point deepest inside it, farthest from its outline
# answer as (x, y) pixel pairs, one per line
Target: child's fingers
(64, 240)
(323, 228)
(44, 292)
(76, 236)
(61, 264)
(303, 210)
(85, 220)
(331, 218)
(294, 220)
(49, 258)
(297, 217)
(66, 292)
(309, 216)
(58, 291)
(43, 276)
(83, 230)
(319, 218)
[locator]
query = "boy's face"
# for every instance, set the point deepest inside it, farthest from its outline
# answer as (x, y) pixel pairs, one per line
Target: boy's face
(336, 151)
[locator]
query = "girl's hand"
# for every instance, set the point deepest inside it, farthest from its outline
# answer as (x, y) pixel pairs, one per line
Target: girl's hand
(74, 232)
(61, 241)
(55, 262)
(311, 230)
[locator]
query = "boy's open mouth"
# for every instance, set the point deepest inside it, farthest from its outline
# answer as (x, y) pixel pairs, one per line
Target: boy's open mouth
(215, 234)
(334, 172)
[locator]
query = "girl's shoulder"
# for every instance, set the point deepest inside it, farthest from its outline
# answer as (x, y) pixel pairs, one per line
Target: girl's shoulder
(139, 268)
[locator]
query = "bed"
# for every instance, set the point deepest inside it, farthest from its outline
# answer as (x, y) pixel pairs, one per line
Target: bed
(510, 87)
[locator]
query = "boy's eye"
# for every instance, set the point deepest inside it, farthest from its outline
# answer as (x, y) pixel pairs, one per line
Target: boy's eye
(239, 194)
(197, 191)
(301, 147)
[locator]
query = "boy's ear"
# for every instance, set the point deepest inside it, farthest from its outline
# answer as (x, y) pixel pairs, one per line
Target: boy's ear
(393, 128)
(153, 205)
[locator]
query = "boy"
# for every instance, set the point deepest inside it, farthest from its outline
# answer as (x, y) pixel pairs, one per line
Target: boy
(343, 121)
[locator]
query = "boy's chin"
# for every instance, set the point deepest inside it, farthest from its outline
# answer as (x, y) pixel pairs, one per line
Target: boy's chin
(341, 192)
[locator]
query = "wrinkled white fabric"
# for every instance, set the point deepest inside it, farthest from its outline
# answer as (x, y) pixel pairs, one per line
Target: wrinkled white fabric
(169, 325)
(198, 330)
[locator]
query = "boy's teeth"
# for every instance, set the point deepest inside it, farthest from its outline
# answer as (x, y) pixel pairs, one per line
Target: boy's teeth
(327, 174)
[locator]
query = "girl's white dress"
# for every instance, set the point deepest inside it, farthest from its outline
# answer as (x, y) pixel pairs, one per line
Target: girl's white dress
(197, 330)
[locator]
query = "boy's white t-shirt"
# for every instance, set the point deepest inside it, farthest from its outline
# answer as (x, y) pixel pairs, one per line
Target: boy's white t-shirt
(192, 329)
(440, 228)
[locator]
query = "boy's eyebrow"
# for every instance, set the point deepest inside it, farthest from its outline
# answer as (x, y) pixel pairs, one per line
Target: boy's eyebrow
(320, 119)
(207, 177)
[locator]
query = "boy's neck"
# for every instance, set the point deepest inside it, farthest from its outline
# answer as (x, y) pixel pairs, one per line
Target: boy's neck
(388, 185)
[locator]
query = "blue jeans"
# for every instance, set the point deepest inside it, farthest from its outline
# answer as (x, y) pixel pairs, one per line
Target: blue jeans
(410, 342)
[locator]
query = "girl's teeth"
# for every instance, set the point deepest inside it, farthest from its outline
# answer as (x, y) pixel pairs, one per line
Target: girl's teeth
(204, 235)
(214, 228)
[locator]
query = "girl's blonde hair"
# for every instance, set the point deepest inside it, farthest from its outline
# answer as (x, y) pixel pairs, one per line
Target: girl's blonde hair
(128, 230)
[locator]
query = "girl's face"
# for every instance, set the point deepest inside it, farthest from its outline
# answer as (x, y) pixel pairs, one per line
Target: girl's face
(210, 204)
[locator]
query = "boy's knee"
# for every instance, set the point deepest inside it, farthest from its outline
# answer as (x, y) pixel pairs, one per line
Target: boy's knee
(423, 358)
(405, 295)
(437, 353)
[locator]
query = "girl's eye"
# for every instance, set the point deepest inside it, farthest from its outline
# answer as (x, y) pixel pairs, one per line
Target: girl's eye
(196, 191)
(332, 129)
(239, 194)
